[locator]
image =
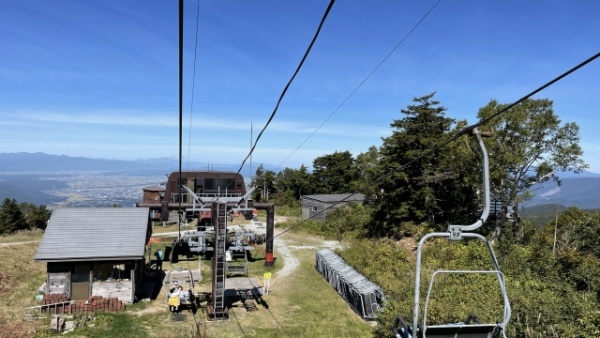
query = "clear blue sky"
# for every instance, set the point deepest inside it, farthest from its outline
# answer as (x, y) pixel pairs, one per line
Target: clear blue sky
(100, 78)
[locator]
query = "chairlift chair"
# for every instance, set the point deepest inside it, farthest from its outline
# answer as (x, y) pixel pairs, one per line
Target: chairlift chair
(472, 326)
(175, 278)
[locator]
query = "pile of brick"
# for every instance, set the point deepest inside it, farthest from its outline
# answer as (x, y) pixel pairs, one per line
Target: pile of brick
(54, 298)
(94, 304)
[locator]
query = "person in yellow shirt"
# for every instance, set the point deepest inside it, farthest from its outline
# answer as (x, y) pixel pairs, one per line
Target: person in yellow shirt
(173, 300)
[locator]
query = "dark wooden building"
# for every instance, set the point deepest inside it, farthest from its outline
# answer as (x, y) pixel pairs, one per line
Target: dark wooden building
(95, 252)
(204, 183)
(153, 195)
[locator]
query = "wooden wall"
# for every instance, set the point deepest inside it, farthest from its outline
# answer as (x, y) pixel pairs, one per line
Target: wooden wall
(123, 290)
(308, 212)
(58, 282)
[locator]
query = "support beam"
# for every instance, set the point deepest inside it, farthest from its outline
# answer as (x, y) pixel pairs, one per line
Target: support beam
(270, 207)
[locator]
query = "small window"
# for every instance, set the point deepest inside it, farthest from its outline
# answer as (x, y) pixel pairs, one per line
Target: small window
(210, 184)
(81, 273)
(315, 208)
(112, 272)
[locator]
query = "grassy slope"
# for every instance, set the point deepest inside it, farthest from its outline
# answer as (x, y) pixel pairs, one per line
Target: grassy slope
(22, 236)
(20, 277)
(300, 305)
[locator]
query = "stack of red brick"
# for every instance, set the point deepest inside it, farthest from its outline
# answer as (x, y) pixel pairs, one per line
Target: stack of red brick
(54, 298)
(95, 303)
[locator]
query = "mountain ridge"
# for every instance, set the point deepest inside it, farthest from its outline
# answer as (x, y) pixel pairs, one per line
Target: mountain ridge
(579, 190)
(42, 162)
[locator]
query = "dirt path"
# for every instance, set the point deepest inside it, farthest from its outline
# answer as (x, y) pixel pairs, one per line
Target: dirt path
(4, 245)
(286, 249)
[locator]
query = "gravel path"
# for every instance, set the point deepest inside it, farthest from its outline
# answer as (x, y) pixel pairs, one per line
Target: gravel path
(290, 262)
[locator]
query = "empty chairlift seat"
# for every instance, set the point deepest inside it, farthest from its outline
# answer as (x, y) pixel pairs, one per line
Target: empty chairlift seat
(365, 297)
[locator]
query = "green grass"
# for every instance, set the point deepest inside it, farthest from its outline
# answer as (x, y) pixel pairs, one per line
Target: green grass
(108, 325)
(20, 277)
(22, 236)
(300, 305)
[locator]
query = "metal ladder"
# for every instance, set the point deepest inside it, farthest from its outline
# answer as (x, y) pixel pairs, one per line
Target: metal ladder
(218, 272)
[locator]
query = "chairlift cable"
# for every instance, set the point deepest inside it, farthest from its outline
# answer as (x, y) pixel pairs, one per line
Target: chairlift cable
(180, 110)
(289, 83)
(362, 82)
(464, 131)
(193, 83)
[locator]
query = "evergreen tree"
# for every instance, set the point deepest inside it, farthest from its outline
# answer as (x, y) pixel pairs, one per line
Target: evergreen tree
(421, 188)
(291, 184)
(36, 216)
(11, 217)
(368, 171)
(264, 181)
(335, 173)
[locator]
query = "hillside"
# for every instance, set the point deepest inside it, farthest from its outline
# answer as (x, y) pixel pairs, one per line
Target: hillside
(582, 192)
(541, 214)
(30, 188)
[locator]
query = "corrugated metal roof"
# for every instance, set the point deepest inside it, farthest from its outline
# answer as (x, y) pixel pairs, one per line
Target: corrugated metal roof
(79, 234)
(333, 198)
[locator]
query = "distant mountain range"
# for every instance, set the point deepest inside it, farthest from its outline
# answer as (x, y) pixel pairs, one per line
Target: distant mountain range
(55, 180)
(41, 162)
(581, 190)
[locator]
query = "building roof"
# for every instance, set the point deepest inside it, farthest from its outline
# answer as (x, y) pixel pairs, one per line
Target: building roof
(334, 198)
(154, 188)
(86, 234)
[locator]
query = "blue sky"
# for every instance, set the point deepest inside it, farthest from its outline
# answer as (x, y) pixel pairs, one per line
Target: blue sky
(100, 78)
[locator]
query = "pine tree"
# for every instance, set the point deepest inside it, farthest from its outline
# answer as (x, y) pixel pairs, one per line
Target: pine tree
(423, 183)
(335, 173)
(11, 217)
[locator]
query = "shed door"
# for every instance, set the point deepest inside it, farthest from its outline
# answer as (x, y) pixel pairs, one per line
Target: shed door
(80, 282)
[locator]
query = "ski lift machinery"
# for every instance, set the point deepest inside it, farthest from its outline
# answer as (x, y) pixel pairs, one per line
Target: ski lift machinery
(456, 233)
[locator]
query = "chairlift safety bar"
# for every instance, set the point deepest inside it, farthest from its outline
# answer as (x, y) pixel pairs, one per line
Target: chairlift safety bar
(456, 230)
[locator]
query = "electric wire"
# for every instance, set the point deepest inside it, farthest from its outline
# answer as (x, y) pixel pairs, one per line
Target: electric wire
(362, 82)
(193, 83)
(464, 131)
(289, 83)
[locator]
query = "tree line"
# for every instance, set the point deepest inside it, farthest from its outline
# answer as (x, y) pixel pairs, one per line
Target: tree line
(410, 179)
(22, 216)
(414, 187)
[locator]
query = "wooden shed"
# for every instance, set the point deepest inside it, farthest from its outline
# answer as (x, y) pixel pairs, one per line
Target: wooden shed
(319, 206)
(95, 252)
